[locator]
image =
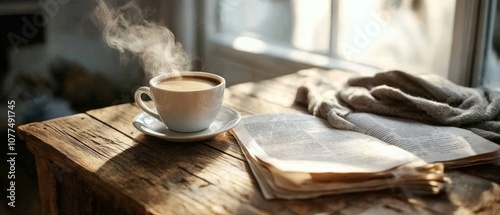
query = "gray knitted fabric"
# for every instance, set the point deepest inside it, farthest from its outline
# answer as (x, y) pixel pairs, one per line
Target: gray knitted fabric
(425, 98)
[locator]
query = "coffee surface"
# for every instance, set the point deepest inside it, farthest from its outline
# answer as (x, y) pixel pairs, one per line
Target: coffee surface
(187, 83)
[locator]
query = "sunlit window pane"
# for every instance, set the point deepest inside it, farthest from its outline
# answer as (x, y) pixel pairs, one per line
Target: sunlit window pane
(412, 35)
(300, 24)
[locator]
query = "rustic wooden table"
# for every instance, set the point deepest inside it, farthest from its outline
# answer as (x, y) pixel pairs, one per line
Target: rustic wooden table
(98, 163)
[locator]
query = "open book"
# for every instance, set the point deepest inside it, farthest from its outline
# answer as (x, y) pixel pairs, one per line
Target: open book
(302, 156)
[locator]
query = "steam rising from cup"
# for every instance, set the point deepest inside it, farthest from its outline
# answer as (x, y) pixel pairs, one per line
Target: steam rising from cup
(127, 30)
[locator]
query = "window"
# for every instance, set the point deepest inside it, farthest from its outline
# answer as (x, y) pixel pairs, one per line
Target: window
(255, 39)
(413, 36)
(491, 76)
(303, 25)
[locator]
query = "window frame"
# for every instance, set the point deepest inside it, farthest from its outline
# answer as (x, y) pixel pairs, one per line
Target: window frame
(280, 59)
(471, 31)
(471, 34)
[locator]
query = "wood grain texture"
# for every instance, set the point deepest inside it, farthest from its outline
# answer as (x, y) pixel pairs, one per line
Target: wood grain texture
(47, 185)
(79, 197)
(282, 94)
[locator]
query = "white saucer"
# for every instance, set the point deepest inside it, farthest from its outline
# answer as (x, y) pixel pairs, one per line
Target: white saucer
(226, 120)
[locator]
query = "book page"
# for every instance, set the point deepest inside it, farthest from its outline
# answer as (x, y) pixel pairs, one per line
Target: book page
(428, 142)
(305, 143)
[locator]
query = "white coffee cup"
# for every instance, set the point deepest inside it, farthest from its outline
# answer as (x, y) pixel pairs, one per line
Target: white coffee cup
(185, 101)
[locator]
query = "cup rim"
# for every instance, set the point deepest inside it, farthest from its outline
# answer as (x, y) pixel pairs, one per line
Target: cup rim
(157, 78)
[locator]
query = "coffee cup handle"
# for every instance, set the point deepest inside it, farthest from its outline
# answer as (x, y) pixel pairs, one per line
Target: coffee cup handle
(140, 102)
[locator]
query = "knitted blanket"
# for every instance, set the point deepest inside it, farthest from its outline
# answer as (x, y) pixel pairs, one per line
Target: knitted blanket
(425, 98)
